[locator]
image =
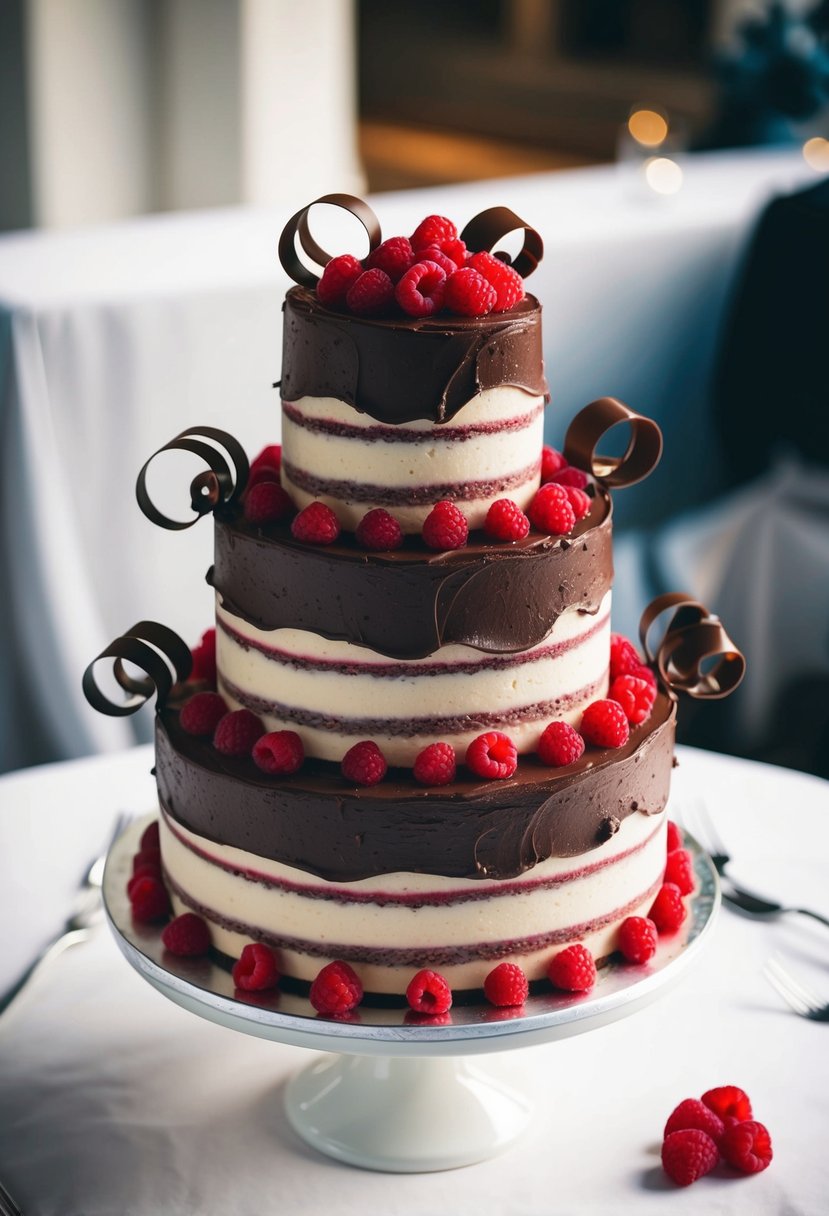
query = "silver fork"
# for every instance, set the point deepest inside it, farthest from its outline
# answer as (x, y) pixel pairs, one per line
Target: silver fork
(79, 925)
(800, 998)
(700, 824)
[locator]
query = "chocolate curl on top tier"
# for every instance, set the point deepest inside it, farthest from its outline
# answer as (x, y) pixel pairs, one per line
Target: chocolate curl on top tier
(695, 656)
(157, 651)
(216, 487)
(487, 228)
(590, 426)
(298, 226)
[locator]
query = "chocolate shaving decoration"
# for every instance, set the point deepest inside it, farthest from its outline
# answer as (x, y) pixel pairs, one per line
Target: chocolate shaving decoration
(592, 423)
(140, 645)
(692, 638)
(486, 229)
(216, 487)
(297, 226)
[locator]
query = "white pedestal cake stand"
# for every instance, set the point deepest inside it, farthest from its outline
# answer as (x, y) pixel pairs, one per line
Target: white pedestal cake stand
(392, 1095)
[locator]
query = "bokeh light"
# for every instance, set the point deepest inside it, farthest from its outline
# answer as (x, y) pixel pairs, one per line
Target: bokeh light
(816, 153)
(648, 127)
(663, 175)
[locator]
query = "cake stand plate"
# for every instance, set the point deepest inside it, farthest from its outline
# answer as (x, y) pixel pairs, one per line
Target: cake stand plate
(394, 1095)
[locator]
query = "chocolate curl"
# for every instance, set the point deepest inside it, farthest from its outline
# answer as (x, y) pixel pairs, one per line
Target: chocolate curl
(297, 226)
(590, 426)
(693, 637)
(140, 645)
(488, 227)
(218, 486)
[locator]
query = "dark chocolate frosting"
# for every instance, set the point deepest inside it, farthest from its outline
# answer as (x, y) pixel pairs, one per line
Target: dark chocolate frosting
(399, 369)
(406, 604)
(317, 822)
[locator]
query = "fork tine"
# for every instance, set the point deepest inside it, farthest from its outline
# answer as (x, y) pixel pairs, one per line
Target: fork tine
(805, 994)
(792, 1001)
(709, 828)
(790, 988)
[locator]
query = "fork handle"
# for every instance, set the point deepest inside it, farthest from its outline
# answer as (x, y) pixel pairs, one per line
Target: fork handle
(50, 951)
(814, 915)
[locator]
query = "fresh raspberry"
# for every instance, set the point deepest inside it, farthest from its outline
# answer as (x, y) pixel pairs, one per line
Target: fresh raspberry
(148, 898)
(637, 939)
(204, 658)
(435, 765)
(573, 969)
(635, 696)
(643, 672)
(188, 935)
(144, 870)
(316, 524)
(434, 230)
(469, 294)
(560, 744)
(550, 511)
(237, 732)
(268, 461)
(604, 724)
(337, 989)
(371, 295)
(624, 658)
(680, 870)
(579, 501)
(729, 1102)
(338, 276)
(151, 856)
(492, 755)
(279, 753)
(747, 1146)
(421, 290)
(506, 986)
(256, 969)
(380, 531)
(667, 910)
(435, 254)
(694, 1114)
(674, 836)
(508, 284)
(568, 476)
(202, 713)
(364, 763)
(267, 502)
(445, 526)
(429, 993)
(456, 250)
(688, 1155)
(551, 462)
(506, 521)
(150, 837)
(394, 256)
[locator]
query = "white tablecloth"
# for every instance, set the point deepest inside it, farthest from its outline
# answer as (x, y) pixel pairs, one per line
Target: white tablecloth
(114, 1101)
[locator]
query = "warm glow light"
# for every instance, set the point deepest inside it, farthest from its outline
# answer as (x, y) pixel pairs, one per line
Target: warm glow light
(816, 153)
(663, 175)
(647, 127)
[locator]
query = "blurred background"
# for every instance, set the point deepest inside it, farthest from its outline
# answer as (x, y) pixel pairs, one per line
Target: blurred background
(674, 155)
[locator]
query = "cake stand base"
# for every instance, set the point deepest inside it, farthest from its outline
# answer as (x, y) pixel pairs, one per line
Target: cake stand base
(404, 1115)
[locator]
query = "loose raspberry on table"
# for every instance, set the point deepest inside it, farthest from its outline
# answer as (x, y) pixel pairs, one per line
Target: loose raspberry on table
(394, 256)
(568, 476)
(256, 969)
(729, 1102)
(578, 500)
(202, 713)
(435, 765)
(422, 289)
(279, 753)
(674, 836)
(237, 732)
(267, 503)
(364, 763)
(435, 254)
(604, 724)
(316, 524)
(204, 658)
(492, 755)
(506, 521)
(188, 935)
(551, 462)
(679, 869)
(428, 992)
(150, 837)
(635, 696)
(550, 511)
(339, 275)
(372, 295)
(508, 284)
(667, 910)
(747, 1146)
(573, 969)
(337, 989)
(148, 898)
(434, 230)
(687, 1155)
(506, 986)
(624, 657)
(469, 294)
(637, 939)
(445, 527)
(380, 531)
(694, 1114)
(560, 744)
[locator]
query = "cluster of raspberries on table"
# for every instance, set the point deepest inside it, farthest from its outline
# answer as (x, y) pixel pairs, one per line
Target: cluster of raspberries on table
(431, 271)
(720, 1125)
